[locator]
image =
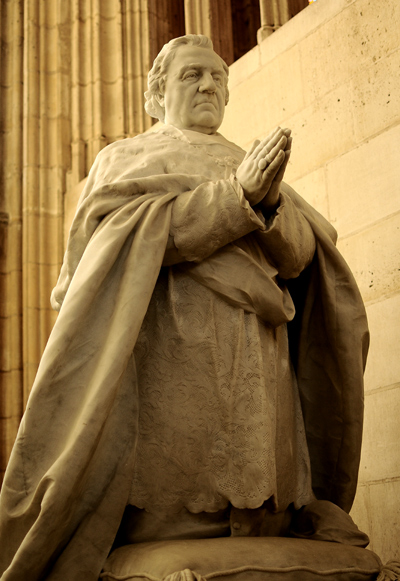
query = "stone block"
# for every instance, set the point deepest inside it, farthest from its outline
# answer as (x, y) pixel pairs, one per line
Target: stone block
(11, 395)
(8, 431)
(31, 285)
(12, 247)
(383, 366)
(12, 14)
(107, 10)
(70, 203)
(8, 113)
(376, 97)
(312, 188)
(344, 46)
(266, 93)
(48, 17)
(51, 183)
(45, 249)
(299, 27)
(321, 131)
(50, 57)
(242, 69)
(50, 96)
(11, 293)
(113, 103)
(360, 511)
(11, 340)
(32, 150)
(385, 517)
(380, 458)
(111, 53)
(39, 281)
(49, 141)
(363, 184)
(374, 258)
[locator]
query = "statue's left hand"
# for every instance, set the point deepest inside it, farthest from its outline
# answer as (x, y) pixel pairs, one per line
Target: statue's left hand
(263, 168)
(271, 200)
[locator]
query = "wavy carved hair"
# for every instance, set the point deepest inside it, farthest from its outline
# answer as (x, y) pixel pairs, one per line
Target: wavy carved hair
(158, 73)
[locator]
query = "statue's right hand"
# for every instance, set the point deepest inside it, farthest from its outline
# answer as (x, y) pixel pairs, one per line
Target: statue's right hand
(261, 164)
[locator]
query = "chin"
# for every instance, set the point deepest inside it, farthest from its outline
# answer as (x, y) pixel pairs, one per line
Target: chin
(208, 121)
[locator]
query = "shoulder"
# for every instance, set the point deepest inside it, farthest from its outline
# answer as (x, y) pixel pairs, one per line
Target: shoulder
(133, 146)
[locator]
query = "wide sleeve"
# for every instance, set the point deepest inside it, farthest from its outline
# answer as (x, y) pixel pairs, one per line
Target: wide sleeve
(288, 240)
(207, 218)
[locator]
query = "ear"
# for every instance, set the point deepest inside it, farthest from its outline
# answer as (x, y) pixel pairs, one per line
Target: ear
(160, 99)
(161, 90)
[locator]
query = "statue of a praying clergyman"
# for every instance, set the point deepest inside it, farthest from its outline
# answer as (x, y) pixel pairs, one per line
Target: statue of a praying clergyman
(204, 375)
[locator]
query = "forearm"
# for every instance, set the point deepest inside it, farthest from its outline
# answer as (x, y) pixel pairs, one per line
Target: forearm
(208, 218)
(288, 240)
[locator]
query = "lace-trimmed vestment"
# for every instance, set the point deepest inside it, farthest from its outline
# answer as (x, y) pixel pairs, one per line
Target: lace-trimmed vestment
(219, 417)
(221, 310)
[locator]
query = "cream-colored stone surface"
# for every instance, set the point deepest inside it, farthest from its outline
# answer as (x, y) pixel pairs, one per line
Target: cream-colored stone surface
(12, 402)
(313, 189)
(270, 97)
(373, 255)
(241, 70)
(10, 283)
(360, 509)
(346, 139)
(354, 39)
(299, 27)
(385, 518)
(331, 74)
(376, 97)
(383, 366)
(10, 353)
(321, 131)
(380, 458)
(363, 184)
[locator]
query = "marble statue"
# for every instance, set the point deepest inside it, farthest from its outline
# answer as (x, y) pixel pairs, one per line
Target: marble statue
(204, 375)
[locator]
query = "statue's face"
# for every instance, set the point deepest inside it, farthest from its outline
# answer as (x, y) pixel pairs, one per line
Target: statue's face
(194, 91)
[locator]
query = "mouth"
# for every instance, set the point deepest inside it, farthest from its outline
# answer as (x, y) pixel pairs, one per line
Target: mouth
(210, 103)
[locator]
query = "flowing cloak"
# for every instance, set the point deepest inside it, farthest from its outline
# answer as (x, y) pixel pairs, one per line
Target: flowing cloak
(69, 475)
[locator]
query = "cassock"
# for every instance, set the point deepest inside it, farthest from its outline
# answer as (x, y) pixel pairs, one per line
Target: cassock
(174, 299)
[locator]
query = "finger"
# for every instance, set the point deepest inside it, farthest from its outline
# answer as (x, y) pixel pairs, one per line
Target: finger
(252, 148)
(275, 134)
(265, 147)
(273, 167)
(281, 171)
(270, 154)
(289, 144)
(287, 132)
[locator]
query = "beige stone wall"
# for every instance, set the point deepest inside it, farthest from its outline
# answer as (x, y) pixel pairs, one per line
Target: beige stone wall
(73, 75)
(332, 75)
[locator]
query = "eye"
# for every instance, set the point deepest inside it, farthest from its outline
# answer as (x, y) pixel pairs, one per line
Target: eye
(218, 79)
(190, 76)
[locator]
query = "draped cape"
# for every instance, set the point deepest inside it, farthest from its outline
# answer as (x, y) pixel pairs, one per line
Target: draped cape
(69, 474)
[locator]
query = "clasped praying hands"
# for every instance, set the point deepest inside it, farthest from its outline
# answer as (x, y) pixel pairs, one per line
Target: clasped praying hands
(261, 172)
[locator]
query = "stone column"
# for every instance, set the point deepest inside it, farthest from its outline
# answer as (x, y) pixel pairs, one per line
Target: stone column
(73, 77)
(198, 17)
(214, 19)
(274, 13)
(11, 98)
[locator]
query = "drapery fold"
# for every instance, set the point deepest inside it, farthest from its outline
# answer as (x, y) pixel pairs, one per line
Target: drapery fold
(69, 474)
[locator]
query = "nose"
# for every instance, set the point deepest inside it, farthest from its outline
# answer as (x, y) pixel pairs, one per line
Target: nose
(207, 84)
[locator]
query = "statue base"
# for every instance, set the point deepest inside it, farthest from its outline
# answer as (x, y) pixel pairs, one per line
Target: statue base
(243, 559)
